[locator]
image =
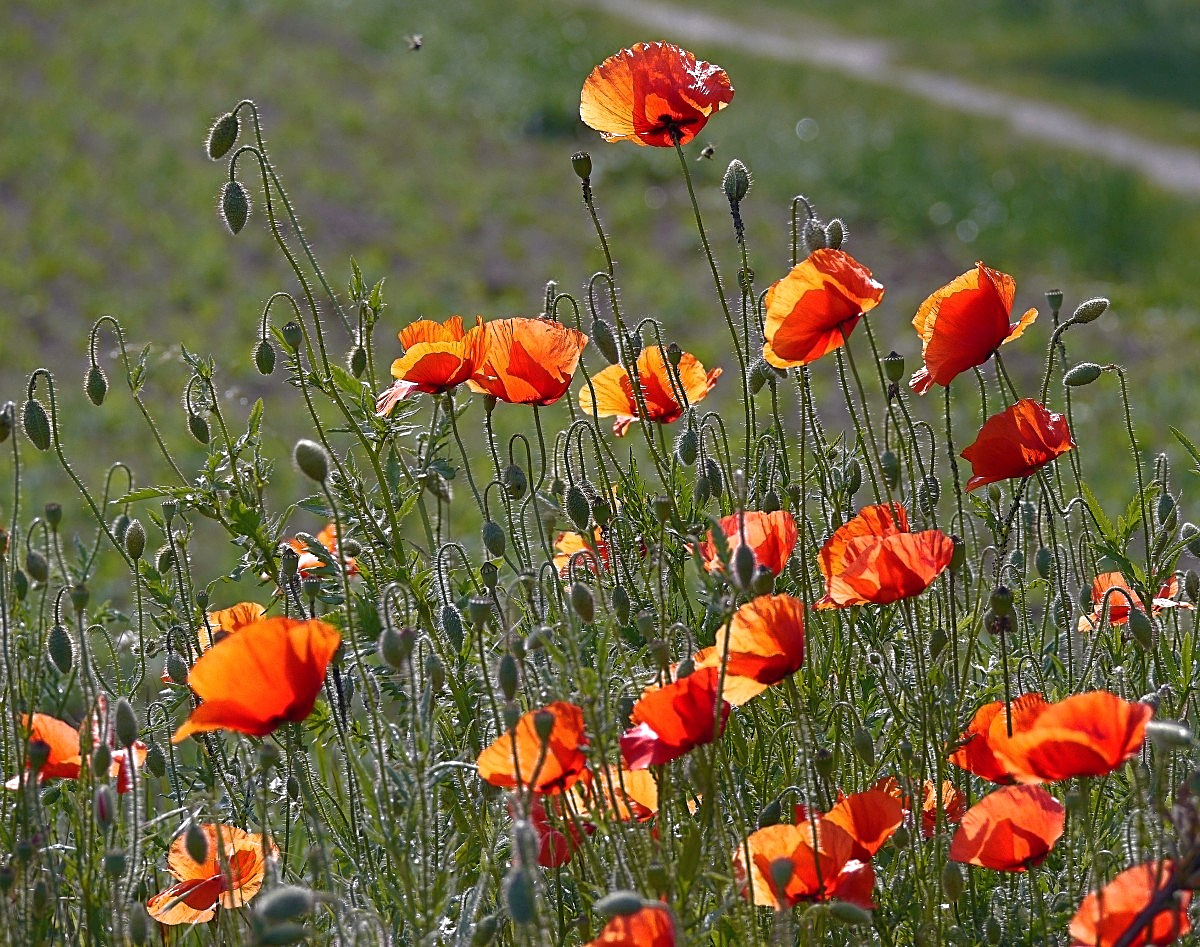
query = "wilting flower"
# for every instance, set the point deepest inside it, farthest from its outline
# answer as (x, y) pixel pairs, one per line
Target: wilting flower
(953, 805)
(527, 361)
(1088, 734)
(1016, 442)
(648, 926)
(671, 720)
(653, 94)
(436, 359)
(762, 645)
(556, 845)
(874, 559)
(1118, 601)
(311, 563)
(1108, 913)
(1009, 829)
(63, 757)
(819, 855)
(963, 323)
(267, 674)
(615, 394)
(813, 309)
(771, 536)
(520, 757)
(229, 876)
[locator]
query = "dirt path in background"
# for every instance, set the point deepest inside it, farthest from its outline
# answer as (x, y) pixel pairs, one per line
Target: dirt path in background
(1173, 168)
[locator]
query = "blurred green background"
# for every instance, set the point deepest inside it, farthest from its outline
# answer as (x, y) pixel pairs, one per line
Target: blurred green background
(446, 170)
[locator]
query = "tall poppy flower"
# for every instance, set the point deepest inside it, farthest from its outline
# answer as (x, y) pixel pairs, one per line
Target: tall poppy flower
(1016, 442)
(267, 674)
(812, 310)
(1108, 913)
(671, 720)
(521, 757)
(653, 94)
(311, 563)
(771, 537)
(615, 394)
(568, 545)
(953, 805)
(621, 795)
(230, 875)
(1010, 829)
(762, 645)
(527, 361)
(223, 622)
(648, 926)
(436, 358)
(870, 818)
(963, 323)
(63, 756)
(823, 865)
(874, 559)
(1118, 601)
(558, 840)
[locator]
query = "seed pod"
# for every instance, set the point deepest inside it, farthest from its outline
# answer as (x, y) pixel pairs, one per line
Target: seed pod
(264, 357)
(575, 503)
(312, 460)
(493, 538)
(125, 725)
(222, 136)
(61, 649)
(606, 340)
(687, 446)
(581, 164)
(235, 206)
(889, 464)
(621, 604)
(619, 904)
(519, 896)
(285, 903)
(736, 182)
(507, 675)
(582, 602)
(893, 366)
(1082, 374)
(292, 334)
(198, 427)
(37, 424)
(515, 482)
(37, 566)
(96, 385)
(1090, 309)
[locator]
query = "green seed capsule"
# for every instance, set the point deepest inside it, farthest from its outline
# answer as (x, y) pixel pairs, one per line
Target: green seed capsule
(264, 357)
(61, 649)
(96, 385)
(235, 206)
(37, 424)
(577, 508)
(507, 675)
(605, 340)
(222, 136)
(582, 602)
(37, 566)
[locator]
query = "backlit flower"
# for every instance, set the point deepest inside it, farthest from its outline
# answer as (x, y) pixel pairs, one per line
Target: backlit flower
(559, 839)
(952, 805)
(813, 309)
(527, 361)
(229, 876)
(436, 358)
(615, 395)
(671, 720)
(874, 559)
(870, 818)
(619, 794)
(310, 563)
(570, 546)
(1108, 913)
(648, 926)
(1010, 829)
(63, 757)
(653, 94)
(224, 622)
(963, 323)
(762, 645)
(823, 866)
(267, 674)
(771, 536)
(519, 757)
(1016, 442)
(1111, 588)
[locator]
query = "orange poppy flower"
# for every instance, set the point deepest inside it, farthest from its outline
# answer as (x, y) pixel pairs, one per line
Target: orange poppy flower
(556, 845)
(824, 867)
(622, 795)
(436, 359)
(670, 720)
(812, 310)
(762, 645)
(874, 559)
(1118, 603)
(615, 396)
(527, 361)
(870, 818)
(976, 753)
(1010, 829)
(963, 323)
(653, 94)
(63, 759)
(267, 674)
(953, 803)
(310, 563)
(771, 536)
(649, 926)
(224, 622)
(229, 876)
(1106, 914)
(1016, 442)
(519, 757)
(567, 545)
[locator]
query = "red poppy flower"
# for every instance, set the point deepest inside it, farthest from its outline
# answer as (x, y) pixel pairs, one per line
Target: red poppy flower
(1106, 914)
(568, 546)
(615, 396)
(648, 926)
(813, 309)
(670, 720)
(763, 645)
(1016, 442)
(436, 359)
(558, 840)
(618, 794)
(521, 757)
(229, 876)
(953, 804)
(1118, 602)
(527, 361)
(311, 564)
(823, 865)
(1010, 829)
(874, 559)
(771, 536)
(225, 621)
(870, 818)
(653, 94)
(267, 674)
(963, 323)
(62, 742)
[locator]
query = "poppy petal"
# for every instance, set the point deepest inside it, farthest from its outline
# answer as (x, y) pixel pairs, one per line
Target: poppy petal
(1009, 829)
(519, 756)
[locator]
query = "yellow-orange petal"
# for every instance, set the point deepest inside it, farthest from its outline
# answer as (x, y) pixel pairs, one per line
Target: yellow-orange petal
(519, 757)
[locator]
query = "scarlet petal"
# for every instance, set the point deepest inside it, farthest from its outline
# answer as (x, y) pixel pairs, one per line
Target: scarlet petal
(1107, 914)
(771, 536)
(614, 394)
(763, 645)
(1016, 442)
(527, 361)
(870, 818)
(519, 756)
(649, 926)
(669, 721)
(1010, 829)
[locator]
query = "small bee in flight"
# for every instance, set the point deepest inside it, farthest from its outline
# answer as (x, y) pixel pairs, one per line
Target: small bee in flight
(415, 42)
(707, 151)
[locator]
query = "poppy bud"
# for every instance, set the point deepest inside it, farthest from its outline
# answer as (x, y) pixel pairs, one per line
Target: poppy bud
(222, 136)
(823, 762)
(674, 354)
(959, 556)
(156, 761)
(849, 914)
(937, 641)
(661, 507)
(853, 478)
(177, 669)
(1090, 310)
(621, 604)
(952, 881)
(760, 374)
(37, 424)
(105, 806)
(814, 235)
(95, 384)
(114, 863)
(656, 874)
(889, 465)
(716, 481)
(519, 896)
(736, 183)
(1141, 626)
(928, 493)
(1043, 561)
(770, 502)
(902, 836)
(125, 725)
(762, 582)
(1191, 584)
(582, 602)
(357, 362)
(289, 561)
(396, 646)
(1166, 512)
(453, 627)
(601, 511)
(37, 566)
(1002, 600)
(992, 931)
(1054, 299)
(292, 334)
(60, 648)
(292, 786)
(493, 538)
(486, 929)
(198, 427)
(782, 870)
(285, 903)
(138, 924)
(515, 482)
(687, 446)
(743, 566)
(311, 459)
(6, 420)
(40, 899)
(905, 749)
(646, 621)
(195, 843)
(1082, 374)
(581, 164)
(101, 760)
(235, 206)
(39, 752)
(701, 492)
(164, 559)
(619, 904)
(264, 357)
(506, 674)
(575, 504)
(835, 233)
(864, 746)
(771, 814)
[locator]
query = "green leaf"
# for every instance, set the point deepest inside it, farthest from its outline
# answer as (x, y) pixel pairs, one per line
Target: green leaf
(1189, 446)
(1103, 523)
